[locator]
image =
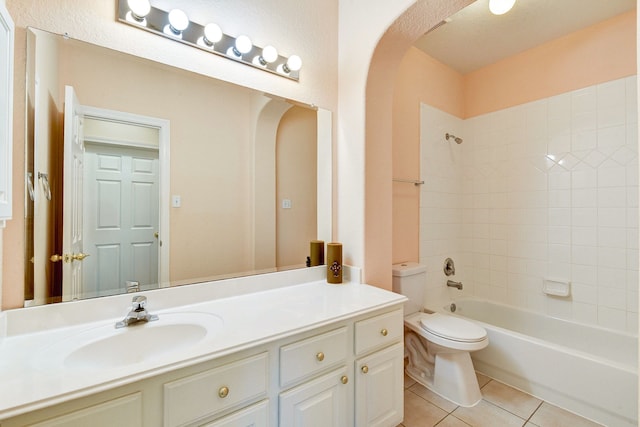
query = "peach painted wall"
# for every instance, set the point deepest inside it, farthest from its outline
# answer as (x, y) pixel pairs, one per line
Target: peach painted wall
(603, 52)
(296, 171)
(420, 78)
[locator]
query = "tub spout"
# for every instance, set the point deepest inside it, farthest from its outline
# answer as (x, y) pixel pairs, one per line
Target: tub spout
(453, 284)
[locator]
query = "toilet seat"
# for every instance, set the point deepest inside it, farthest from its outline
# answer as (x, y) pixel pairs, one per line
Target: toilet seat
(452, 328)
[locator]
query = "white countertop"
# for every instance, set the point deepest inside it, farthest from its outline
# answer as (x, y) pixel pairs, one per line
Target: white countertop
(30, 380)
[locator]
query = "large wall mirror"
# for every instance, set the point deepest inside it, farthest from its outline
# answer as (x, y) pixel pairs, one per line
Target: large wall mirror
(140, 175)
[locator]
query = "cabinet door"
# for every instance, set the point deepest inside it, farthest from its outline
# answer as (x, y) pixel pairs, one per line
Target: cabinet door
(322, 402)
(124, 411)
(379, 388)
(6, 108)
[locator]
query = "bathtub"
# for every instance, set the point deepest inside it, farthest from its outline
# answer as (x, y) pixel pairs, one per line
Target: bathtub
(587, 370)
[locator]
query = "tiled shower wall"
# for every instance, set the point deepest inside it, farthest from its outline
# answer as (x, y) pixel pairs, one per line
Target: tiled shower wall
(547, 189)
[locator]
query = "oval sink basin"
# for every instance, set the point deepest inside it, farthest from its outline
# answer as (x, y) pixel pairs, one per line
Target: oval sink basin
(108, 347)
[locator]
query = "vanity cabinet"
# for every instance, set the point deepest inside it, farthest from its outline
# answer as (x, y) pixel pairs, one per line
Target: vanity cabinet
(342, 373)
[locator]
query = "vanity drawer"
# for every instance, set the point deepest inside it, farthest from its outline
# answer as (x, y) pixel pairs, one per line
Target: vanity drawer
(378, 331)
(201, 395)
(312, 355)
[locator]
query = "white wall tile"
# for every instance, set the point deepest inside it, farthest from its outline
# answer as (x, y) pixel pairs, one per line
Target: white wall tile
(612, 197)
(584, 293)
(612, 177)
(632, 322)
(584, 217)
(612, 277)
(611, 100)
(611, 138)
(631, 92)
(584, 255)
(585, 313)
(612, 237)
(559, 235)
(584, 198)
(585, 274)
(612, 217)
(612, 257)
(612, 318)
(584, 236)
(546, 188)
(587, 178)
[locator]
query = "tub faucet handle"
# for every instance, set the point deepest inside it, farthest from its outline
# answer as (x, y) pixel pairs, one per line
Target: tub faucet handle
(449, 267)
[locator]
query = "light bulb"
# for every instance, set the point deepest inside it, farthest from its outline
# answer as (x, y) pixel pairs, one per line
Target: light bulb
(243, 45)
(500, 7)
(269, 54)
(178, 21)
(139, 8)
(294, 63)
(212, 34)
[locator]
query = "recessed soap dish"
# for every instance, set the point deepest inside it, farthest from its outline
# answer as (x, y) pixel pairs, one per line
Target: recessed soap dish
(555, 287)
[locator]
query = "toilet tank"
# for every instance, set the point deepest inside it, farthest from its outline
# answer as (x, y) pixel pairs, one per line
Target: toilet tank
(410, 280)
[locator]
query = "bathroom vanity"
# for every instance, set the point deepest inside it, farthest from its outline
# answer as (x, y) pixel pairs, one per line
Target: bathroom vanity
(282, 356)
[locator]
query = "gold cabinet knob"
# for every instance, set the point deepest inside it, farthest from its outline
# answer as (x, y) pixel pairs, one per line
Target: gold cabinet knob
(223, 392)
(344, 379)
(79, 257)
(384, 332)
(320, 356)
(364, 369)
(56, 258)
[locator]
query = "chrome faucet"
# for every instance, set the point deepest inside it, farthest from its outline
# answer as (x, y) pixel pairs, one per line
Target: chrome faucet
(138, 313)
(453, 284)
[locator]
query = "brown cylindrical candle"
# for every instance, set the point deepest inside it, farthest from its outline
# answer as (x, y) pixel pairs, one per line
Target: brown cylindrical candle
(334, 262)
(316, 252)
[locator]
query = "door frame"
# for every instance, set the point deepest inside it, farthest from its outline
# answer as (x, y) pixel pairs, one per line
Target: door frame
(164, 130)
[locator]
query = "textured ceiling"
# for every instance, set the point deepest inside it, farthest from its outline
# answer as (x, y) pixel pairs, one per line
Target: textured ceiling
(475, 38)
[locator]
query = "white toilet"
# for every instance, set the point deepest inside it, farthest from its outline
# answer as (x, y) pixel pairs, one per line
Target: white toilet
(439, 346)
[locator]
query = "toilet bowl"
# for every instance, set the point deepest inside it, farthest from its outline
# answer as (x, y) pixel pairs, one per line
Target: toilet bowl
(446, 368)
(438, 345)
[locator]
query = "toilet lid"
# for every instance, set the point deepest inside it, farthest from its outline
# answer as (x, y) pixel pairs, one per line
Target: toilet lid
(452, 328)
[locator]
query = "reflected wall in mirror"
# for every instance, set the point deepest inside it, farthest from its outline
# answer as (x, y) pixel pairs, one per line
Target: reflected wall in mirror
(237, 191)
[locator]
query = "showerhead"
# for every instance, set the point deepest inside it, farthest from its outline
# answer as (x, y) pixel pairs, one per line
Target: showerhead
(455, 138)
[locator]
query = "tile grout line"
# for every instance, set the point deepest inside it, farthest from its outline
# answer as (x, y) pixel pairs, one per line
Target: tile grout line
(533, 413)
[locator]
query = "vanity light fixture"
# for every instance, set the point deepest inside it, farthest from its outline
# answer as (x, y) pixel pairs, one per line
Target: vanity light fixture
(175, 25)
(500, 7)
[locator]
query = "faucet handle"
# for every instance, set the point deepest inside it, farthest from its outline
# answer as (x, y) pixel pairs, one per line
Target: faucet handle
(139, 302)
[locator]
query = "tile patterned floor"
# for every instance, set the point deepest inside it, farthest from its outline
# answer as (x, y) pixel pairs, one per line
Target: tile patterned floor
(501, 405)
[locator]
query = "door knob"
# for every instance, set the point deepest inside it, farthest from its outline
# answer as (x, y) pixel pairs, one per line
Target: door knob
(79, 257)
(56, 258)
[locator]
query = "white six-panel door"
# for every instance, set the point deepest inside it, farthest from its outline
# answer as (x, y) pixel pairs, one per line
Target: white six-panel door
(121, 217)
